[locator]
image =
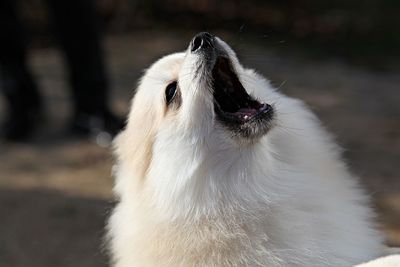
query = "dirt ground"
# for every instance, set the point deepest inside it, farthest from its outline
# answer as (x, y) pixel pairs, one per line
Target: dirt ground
(55, 192)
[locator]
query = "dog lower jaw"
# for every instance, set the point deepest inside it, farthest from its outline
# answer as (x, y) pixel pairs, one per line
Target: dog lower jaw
(252, 129)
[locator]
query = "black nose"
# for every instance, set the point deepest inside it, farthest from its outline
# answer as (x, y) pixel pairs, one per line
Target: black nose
(201, 40)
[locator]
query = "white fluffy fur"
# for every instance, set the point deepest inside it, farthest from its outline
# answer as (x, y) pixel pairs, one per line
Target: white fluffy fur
(191, 195)
(388, 261)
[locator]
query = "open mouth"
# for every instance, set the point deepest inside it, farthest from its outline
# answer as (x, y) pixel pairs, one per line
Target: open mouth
(232, 103)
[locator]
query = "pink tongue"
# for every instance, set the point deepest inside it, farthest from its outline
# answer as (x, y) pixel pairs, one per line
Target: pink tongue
(246, 113)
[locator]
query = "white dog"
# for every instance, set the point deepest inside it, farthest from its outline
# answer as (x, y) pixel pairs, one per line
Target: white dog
(217, 168)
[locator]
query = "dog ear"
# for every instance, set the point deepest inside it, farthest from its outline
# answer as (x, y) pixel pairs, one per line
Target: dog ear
(134, 145)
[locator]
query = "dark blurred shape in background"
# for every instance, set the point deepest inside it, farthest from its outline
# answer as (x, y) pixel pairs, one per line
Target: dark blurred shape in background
(340, 57)
(361, 30)
(75, 24)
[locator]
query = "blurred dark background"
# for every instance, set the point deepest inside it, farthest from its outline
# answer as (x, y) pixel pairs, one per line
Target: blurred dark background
(361, 31)
(340, 57)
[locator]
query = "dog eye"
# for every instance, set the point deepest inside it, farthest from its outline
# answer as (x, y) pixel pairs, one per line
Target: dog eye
(170, 92)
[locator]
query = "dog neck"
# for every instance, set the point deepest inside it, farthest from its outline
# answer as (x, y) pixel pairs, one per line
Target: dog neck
(209, 180)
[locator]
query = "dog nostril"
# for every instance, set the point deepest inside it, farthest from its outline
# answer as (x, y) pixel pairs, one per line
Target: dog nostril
(196, 43)
(202, 40)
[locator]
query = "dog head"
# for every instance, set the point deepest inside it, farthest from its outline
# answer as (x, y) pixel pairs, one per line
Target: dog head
(187, 103)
